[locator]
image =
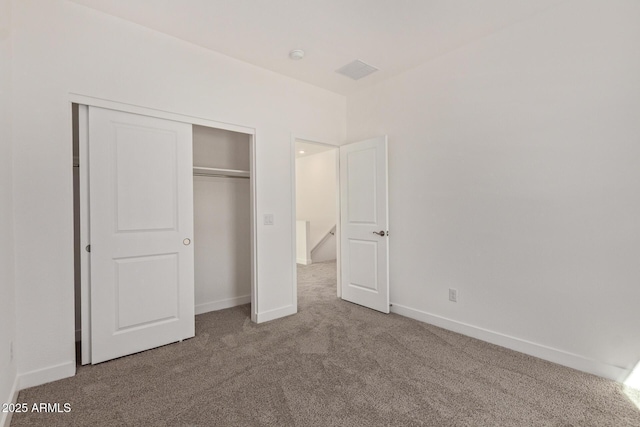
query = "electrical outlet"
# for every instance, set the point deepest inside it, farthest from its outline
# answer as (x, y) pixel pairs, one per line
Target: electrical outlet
(453, 295)
(268, 219)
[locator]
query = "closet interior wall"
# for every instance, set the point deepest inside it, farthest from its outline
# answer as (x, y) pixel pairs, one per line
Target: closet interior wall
(222, 219)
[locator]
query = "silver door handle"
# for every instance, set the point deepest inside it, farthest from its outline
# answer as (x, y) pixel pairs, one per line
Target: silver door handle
(379, 233)
(186, 242)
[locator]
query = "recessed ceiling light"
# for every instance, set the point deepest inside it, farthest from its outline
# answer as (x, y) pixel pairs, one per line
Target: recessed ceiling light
(296, 54)
(301, 152)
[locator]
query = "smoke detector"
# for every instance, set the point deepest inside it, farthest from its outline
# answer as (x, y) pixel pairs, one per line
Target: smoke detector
(356, 70)
(296, 54)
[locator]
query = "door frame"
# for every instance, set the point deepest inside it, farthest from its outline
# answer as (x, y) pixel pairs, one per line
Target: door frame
(75, 98)
(336, 147)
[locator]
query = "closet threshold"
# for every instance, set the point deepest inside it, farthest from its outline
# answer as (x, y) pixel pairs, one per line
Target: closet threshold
(229, 173)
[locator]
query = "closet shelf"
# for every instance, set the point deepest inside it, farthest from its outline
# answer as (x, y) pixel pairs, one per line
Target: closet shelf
(204, 171)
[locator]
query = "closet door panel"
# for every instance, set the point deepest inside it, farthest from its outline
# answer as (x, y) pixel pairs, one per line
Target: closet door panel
(141, 220)
(147, 187)
(152, 279)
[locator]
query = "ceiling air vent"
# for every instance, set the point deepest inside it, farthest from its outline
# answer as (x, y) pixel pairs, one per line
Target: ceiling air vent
(356, 70)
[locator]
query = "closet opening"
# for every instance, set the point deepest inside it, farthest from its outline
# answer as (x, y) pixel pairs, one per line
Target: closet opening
(222, 218)
(316, 208)
(218, 240)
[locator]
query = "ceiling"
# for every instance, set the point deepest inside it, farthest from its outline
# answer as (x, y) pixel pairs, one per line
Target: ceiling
(392, 35)
(306, 148)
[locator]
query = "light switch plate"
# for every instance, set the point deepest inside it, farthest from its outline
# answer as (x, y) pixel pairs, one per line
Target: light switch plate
(268, 219)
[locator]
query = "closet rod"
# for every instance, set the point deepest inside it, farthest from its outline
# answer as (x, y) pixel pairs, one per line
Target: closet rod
(219, 175)
(220, 172)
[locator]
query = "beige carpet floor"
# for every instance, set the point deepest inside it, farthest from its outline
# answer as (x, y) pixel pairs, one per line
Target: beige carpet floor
(332, 364)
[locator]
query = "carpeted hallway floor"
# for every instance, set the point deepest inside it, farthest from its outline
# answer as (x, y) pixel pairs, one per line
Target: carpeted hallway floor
(332, 364)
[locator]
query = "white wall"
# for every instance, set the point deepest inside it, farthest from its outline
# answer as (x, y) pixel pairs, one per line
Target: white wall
(7, 300)
(222, 221)
(326, 250)
(316, 193)
(7, 282)
(62, 48)
(515, 178)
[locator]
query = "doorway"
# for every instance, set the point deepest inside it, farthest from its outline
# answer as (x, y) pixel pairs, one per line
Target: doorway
(316, 205)
(361, 215)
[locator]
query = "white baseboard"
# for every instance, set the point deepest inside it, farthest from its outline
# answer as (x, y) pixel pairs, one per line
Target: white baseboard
(46, 375)
(550, 354)
(276, 314)
(303, 261)
(5, 417)
(222, 304)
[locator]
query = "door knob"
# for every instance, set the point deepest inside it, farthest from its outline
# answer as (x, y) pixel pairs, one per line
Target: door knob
(186, 242)
(379, 233)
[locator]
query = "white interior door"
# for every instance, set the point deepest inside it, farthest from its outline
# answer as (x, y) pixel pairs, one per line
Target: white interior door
(141, 227)
(364, 223)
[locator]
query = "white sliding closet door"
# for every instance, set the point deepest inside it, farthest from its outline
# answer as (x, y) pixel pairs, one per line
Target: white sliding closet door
(141, 225)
